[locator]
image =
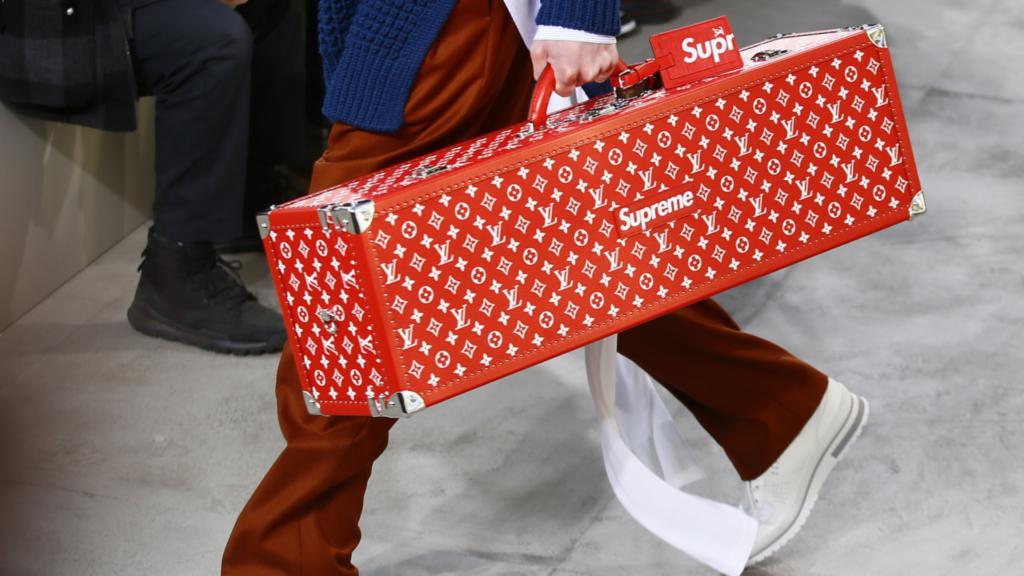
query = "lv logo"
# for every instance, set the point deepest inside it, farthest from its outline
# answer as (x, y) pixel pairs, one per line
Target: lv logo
(695, 161)
(663, 244)
(894, 154)
(791, 131)
(549, 216)
(758, 206)
(805, 188)
(512, 295)
(496, 235)
(848, 168)
(366, 345)
(389, 271)
(836, 116)
(710, 221)
(407, 339)
(880, 98)
(444, 250)
(613, 260)
(744, 148)
(563, 278)
(460, 317)
(648, 177)
(349, 280)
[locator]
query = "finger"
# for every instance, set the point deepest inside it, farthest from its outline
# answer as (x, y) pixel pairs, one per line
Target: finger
(539, 58)
(590, 73)
(565, 81)
(607, 70)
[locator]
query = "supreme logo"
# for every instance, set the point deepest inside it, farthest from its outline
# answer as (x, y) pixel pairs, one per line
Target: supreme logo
(697, 52)
(654, 211)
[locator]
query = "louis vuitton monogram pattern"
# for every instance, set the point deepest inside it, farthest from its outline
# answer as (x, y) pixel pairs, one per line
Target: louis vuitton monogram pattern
(479, 279)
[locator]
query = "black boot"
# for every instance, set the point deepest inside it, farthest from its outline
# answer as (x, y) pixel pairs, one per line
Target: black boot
(187, 293)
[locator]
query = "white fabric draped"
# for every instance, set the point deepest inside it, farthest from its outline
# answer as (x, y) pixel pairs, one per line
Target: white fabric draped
(647, 461)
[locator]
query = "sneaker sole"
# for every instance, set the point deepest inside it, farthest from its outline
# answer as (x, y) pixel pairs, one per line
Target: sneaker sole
(147, 321)
(847, 435)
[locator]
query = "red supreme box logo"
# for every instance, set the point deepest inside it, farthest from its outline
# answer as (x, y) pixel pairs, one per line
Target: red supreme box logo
(655, 211)
(698, 51)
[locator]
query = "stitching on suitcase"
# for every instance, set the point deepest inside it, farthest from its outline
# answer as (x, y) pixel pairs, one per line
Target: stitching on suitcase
(456, 187)
(648, 120)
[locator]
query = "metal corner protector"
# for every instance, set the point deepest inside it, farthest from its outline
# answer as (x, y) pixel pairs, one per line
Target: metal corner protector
(917, 205)
(263, 222)
(312, 406)
(876, 33)
(400, 405)
(353, 217)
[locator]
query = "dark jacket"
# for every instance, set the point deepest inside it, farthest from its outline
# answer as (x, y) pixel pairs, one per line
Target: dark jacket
(68, 61)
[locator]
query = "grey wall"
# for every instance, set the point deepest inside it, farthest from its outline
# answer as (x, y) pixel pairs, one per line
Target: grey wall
(67, 194)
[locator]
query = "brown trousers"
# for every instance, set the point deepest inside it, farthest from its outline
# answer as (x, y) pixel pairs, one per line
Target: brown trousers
(750, 395)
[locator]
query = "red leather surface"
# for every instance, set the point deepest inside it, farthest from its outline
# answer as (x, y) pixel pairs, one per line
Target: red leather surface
(512, 255)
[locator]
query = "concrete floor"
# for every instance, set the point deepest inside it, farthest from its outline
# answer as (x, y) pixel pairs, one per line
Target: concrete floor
(128, 455)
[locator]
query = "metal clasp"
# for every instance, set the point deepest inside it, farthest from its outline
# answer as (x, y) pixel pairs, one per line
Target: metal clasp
(330, 321)
(768, 55)
(427, 171)
(401, 405)
(352, 217)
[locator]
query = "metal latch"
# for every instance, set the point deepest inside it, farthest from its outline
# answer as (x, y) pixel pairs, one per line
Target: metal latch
(427, 171)
(768, 55)
(401, 405)
(352, 217)
(330, 321)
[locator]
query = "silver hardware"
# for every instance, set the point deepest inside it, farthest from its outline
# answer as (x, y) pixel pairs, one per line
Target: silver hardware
(917, 205)
(401, 405)
(324, 213)
(71, 12)
(767, 55)
(427, 171)
(263, 222)
(352, 217)
(636, 90)
(876, 33)
(330, 321)
(312, 406)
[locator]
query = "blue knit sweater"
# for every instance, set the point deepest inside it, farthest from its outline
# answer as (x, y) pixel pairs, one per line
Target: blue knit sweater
(370, 44)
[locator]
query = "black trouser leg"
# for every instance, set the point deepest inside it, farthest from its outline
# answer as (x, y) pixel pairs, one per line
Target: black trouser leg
(277, 110)
(195, 57)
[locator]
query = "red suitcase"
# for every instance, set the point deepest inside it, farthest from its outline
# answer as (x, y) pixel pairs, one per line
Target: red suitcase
(423, 281)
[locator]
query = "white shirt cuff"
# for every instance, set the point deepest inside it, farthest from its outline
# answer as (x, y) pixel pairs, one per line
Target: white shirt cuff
(559, 33)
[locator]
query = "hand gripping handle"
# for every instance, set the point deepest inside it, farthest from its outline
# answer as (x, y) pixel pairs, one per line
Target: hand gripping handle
(542, 95)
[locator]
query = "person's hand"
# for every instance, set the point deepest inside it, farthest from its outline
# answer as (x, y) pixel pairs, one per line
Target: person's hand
(574, 63)
(234, 3)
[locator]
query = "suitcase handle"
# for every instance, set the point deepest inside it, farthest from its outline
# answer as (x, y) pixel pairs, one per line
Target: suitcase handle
(542, 95)
(629, 82)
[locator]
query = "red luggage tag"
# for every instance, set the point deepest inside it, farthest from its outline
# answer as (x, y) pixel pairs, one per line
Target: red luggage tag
(697, 52)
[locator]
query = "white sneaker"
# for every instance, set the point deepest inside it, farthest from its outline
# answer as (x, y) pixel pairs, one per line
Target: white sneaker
(781, 499)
